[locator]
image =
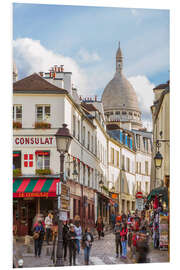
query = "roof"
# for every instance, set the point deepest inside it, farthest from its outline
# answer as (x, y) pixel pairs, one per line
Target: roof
(36, 84)
(88, 107)
(161, 86)
(112, 126)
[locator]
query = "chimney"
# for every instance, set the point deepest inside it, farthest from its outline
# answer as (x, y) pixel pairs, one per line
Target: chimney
(41, 73)
(95, 98)
(62, 68)
(55, 68)
(59, 69)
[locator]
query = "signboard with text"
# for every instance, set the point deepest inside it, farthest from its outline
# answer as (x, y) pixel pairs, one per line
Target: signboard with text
(139, 204)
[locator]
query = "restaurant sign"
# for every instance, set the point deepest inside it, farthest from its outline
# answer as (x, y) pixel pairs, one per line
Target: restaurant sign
(33, 194)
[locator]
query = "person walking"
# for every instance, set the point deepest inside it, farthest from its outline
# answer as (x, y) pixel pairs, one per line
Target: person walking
(78, 231)
(87, 240)
(113, 220)
(38, 240)
(99, 227)
(65, 238)
(71, 237)
(48, 225)
(117, 230)
(123, 235)
(134, 244)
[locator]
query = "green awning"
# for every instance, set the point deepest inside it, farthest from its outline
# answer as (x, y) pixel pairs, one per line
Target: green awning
(160, 192)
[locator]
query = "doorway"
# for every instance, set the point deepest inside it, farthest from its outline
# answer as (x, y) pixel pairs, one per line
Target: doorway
(31, 206)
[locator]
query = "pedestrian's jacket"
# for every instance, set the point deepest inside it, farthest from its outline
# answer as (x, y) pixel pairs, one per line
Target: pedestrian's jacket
(99, 226)
(78, 232)
(71, 237)
(123, 234)
(87, 239)
(64, 233)
(48, 222)
(134, 239)
(117, 230)
(40, 230)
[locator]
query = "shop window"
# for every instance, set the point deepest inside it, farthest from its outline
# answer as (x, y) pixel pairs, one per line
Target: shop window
(17, 113)
(43, 113)
(16, 160)
(79, 207)
(43, 160)
(74, 207)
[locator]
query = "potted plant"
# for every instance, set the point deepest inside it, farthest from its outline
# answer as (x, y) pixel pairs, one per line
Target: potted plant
(43, 171)
(17, 124)
(42, 125)
(17, 172)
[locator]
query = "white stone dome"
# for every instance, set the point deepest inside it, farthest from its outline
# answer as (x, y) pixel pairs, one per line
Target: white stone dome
(119, 93)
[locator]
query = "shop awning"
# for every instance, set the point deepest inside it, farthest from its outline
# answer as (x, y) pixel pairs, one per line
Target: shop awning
(38, 187)
(161, 191)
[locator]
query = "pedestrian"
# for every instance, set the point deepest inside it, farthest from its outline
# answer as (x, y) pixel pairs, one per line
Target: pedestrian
(87, 240)
(123, 235)
(65, 238)
(71, 237)
(99, 227)
(117, 230)
(48, 225)
(123, 217)
(129, 241)
(134, 244)
(38, 239)
(78, 231)
(113, 219)
(142, 248)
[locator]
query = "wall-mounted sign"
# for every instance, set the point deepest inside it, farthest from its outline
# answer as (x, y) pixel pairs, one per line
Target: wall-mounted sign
(33, 194)
(33, 140)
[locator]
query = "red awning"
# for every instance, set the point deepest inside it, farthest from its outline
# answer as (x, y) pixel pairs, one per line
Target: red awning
(35, 187)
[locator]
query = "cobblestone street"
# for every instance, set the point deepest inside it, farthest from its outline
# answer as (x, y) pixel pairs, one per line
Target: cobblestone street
(103, 252)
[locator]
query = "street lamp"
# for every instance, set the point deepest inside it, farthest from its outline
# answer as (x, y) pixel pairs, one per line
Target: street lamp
(158, 160)
(101, 183)
(63, 140)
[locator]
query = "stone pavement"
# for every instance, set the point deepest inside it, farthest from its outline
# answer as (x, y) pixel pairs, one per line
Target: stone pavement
(102, 252)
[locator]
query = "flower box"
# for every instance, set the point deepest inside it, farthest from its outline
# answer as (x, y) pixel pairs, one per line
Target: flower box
(17, 172)
(17, 124)
(42, 125)
(43, 171)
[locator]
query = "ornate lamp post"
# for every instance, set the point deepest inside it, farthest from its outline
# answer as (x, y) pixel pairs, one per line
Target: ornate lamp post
(63, 140)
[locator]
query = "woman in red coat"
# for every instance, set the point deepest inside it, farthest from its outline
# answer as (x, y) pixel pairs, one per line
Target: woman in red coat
(99, 227)
(123, 235)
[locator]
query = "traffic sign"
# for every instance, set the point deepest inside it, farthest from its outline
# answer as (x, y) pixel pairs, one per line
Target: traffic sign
(139, 195)
(139, 204)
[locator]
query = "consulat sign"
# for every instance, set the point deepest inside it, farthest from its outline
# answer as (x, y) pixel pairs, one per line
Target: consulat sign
(34, 140)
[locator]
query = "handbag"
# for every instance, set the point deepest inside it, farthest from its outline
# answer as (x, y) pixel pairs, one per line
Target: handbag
(35, 235)
(102, 234)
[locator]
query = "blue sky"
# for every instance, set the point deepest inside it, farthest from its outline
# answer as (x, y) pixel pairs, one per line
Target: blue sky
(88, 36)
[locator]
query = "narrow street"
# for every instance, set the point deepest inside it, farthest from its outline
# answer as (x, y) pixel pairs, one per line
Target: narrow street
(103, 252)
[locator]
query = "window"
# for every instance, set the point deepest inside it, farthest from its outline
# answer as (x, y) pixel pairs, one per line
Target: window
(140, 186)
(17, 113)
(42, 160)
(146, 167)
(95, 145)
(123, 159)
(78, 130)
(146, 187)
(89, 174)
(124, 113)
(138, 141)
(79, 207)
(84, 172)
(124, 138)
(84, 134)
(122, 184)
(139, 167)
(16, 160)
(74, 207)
(74, 125)
(43, 113)
(112, 155)
(92, 144)
(128, 164)
(88, 146)
(117, 158)
(136, 167)
(117, 113)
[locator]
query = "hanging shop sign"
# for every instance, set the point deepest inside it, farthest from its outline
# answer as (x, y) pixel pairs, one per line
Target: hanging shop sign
(139, 204)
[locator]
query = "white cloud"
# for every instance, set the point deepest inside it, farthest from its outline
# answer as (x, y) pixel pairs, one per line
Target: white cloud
(30, 56)
(144, 91)
(86, 57)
